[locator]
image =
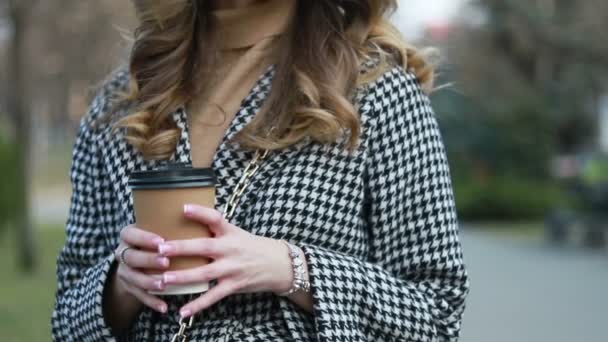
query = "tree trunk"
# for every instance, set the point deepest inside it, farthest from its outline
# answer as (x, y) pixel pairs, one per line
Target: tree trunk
(21, 118)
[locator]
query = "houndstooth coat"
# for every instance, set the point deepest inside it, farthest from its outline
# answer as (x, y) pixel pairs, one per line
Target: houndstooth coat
(378, 227)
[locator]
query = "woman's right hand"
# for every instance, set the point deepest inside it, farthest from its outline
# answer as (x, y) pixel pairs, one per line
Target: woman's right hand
(142, 253)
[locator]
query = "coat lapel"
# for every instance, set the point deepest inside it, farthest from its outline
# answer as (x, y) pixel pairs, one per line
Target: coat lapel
(229, 160)
(247, 110)
(182, 152)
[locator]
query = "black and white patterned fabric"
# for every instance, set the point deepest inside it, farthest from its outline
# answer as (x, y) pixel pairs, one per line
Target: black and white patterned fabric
(378, 227)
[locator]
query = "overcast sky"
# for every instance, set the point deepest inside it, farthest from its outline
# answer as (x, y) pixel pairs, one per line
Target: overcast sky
(412, 15)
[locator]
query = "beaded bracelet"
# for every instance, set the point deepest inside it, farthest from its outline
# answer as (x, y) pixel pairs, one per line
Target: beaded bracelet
(299, 273)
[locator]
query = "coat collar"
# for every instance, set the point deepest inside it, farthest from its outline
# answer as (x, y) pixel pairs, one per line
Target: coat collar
(247, 110)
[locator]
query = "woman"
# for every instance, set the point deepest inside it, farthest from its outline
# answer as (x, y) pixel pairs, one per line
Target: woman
(356, 180)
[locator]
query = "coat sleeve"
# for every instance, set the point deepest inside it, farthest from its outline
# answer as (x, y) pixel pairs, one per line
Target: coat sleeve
(85, 260)
(413, 286)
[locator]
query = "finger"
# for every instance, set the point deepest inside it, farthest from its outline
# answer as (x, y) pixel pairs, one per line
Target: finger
(208, 247)
(214, 295)
(200, 274)
(207, 216)
(142, 259)
(140, 238)
(138, 279)
(147, 299)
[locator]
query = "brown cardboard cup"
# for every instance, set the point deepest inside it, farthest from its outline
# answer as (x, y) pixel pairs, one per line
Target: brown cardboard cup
(158, 200)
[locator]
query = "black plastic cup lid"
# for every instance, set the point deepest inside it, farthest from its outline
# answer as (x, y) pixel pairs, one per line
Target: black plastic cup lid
(171, 176)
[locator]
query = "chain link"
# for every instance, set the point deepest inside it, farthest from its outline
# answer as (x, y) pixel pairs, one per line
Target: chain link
(250, 170)
(229, 208)
(184, 324)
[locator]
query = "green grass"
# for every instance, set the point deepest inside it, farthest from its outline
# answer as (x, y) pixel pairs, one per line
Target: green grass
(26, 300)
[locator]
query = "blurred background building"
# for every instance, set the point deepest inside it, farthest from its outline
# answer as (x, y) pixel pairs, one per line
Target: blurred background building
(522, 101)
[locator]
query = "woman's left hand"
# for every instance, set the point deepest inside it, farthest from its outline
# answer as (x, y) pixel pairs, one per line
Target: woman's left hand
(242, 262)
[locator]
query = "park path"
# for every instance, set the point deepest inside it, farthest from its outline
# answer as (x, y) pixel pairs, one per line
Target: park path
(523, 290)
(50, 206)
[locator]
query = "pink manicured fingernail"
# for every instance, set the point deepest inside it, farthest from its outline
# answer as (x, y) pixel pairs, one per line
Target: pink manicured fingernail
(187, 208)
(164, 248)
(162, 308)
(168, 277)
(185, 313)
(159, 284)
(163, 261)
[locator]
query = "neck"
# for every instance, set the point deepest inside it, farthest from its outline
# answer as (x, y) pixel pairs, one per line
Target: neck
(228, 4)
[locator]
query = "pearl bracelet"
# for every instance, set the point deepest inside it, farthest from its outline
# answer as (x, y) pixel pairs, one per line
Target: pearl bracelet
(299, 273)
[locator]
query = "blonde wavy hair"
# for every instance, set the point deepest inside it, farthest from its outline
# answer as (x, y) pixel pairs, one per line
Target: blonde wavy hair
(308, 97)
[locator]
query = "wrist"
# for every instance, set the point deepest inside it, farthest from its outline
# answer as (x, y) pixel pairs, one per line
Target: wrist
(282, 270)
(118, 304)
(116, 290)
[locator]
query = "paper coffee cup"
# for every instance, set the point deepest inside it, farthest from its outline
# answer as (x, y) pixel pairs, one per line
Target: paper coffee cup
(158, 200)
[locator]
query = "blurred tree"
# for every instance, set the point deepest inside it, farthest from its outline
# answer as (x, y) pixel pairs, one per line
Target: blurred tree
(7, 185)
(69, 46)
(547, 55)
(54, 53)
(17, 108)
(81, 43)
(532, 73)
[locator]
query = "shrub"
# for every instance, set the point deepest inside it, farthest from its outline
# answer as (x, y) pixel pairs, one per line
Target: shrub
(506, 198)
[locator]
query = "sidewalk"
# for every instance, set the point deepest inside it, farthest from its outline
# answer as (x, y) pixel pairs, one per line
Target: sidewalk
(525, 291)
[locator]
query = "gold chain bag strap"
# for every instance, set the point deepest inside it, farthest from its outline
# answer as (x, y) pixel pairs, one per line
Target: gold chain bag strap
(229, 208)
